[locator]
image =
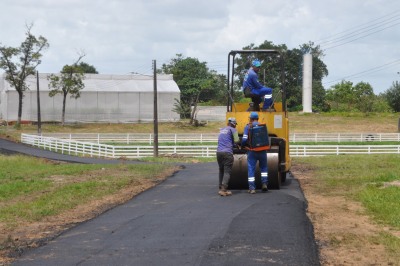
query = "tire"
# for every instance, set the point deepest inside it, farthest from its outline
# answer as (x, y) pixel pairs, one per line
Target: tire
(274, 176)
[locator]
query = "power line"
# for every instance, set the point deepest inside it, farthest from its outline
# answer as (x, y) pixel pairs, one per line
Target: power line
(366, 72)
(363, 36)
(361, 31)
(356, 28)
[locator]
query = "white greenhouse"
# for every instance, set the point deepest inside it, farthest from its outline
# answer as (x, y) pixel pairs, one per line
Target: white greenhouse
(105, 98)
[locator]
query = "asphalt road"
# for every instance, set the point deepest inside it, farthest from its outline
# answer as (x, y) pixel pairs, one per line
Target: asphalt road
(183, 221)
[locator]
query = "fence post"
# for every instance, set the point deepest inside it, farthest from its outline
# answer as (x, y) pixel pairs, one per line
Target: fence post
(398, 126)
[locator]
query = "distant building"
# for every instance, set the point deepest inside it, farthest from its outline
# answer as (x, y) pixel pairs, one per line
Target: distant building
(105, 98)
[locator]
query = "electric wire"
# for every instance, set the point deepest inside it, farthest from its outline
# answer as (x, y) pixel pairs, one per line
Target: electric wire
(366, 72)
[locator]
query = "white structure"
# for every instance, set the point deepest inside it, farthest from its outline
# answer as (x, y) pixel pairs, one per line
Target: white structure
(211, 113)
(307, 83)
(105, 98)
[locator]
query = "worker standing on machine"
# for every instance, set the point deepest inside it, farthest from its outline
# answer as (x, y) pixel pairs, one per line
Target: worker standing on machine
(254, 89)
(227, 139)
(253, 157)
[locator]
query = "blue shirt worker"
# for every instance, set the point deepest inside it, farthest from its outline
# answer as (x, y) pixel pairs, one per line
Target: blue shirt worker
(253, 157)
(227, 138)
(252, 86)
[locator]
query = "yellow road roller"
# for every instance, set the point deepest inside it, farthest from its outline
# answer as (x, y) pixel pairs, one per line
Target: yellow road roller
(275, 118)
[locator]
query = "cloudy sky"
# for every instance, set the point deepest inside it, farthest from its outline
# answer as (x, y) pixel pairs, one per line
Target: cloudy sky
(360, 38)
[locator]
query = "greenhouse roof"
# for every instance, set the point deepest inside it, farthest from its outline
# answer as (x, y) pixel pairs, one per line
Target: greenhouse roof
(107, 83)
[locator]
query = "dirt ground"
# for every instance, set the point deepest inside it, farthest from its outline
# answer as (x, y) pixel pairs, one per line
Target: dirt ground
(338, 225)
(344, 235)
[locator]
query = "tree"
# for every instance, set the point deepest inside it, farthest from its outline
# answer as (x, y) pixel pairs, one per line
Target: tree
(341, 96)
(194, 80)
(392, 95)
(360, 97)
(20, 62)
(319, 97)
(69, 81)
(293, 70)
(364, 97)
(86, 68)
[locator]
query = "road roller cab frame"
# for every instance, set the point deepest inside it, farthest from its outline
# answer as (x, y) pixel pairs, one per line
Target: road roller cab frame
(276, 119)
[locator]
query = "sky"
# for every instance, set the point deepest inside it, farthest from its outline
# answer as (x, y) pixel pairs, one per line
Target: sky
(360, 38)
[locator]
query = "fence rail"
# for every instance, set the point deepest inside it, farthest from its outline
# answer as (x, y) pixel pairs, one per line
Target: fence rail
(72, 147)
(343, 137)
(312, 150)
(131, 138)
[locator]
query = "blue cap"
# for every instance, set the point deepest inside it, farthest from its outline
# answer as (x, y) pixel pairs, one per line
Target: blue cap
(256, 63)
(254, 115)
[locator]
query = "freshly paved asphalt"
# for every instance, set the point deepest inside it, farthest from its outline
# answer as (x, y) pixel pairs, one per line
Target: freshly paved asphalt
(183, 221)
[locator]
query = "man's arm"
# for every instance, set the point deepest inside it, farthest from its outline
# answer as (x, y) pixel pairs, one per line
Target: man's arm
(235, 136)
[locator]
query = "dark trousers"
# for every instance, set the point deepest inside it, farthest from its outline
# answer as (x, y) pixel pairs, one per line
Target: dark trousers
(225, 163)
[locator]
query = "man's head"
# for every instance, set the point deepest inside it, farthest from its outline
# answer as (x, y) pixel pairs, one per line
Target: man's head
(253, 116)
(256, 64)
(232, 121)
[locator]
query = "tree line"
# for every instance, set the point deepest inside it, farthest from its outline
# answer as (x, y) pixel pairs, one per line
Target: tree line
(200, 85)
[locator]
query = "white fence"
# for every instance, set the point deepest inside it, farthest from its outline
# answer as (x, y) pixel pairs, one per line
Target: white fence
(72, 147)
(81, 148)
(130, 138)
(312, 150)
(343, 137)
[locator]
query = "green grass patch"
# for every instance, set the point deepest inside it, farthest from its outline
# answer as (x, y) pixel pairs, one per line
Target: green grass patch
(368, 179)
(178, 159)
(382, 203)
(23, 175)
(392, 244)
(32, 188)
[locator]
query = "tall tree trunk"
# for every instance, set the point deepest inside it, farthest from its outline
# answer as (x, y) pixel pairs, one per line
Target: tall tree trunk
(63, 109)
(192, 115)
(20, 97)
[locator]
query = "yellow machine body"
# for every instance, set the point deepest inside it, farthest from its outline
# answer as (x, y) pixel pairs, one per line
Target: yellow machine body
(276, 119)
(278, 128)
(277, 123)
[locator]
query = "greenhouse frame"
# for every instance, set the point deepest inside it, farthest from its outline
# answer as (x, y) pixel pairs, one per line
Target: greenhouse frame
(105, 98)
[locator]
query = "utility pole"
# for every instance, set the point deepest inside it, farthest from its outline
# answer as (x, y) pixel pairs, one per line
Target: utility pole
(39, 120)
(155, 110)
